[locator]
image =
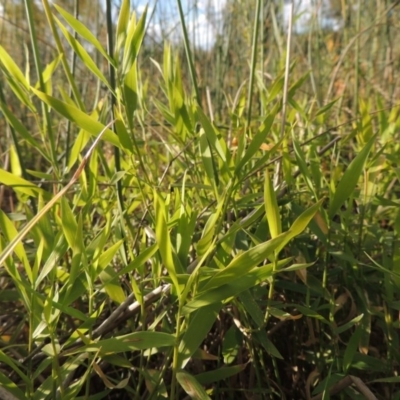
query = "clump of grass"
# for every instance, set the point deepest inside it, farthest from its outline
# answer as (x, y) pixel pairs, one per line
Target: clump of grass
(254, 255)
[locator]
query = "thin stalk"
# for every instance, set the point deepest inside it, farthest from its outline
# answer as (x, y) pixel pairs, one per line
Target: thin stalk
(271, 289)
(70, 91)
(117, 156)
(186, 44)
(18, 151)
(61, 51)
(36, 56)
(253, 62)
(285, 91)
(175, 358)
(357, 61)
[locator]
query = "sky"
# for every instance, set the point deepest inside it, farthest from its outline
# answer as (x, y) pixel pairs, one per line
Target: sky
(204, 18)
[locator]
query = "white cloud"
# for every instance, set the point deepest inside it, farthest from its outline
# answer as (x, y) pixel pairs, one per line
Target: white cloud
(305, 12)
(202, 22)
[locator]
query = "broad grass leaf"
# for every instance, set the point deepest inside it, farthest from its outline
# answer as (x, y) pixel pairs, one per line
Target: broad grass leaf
(269, 347)
(109, 276)
(348, 325)
(14, 161)
(79, 144)
(218, 145)
(71, 392)
(10, 232)
(139, 260)
(350, 178)
(12, 68)
(6, 360)
(302, 221)
(155, 383)
(83, 55)
(276, 88)
(229, 290)
(20, 128)
(123, 135)
(49, 70)
(68, 223)
(392, 379)
(271, 207)
(79, 260)
(301, 163)
(82, 30)
(251, 306)
(309, 312)
(122, 26)
(58, 251)
(130, 88)
(207, 158)
(326, 108)
(164, 240)
(10, 390)
(298, 84)
(232, 343)
(209, 230)
(258, 140)
(219, 374)
(133, 41)
(21, 185)
(77, 116)
(245, 262)
(73, 292)
(132, 341)
(196, 332)
(370, 364)
(186, 227)
(191, 386)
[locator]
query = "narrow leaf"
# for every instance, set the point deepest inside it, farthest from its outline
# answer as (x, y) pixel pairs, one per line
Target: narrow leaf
(82, 30)
(271, 207)
(191, 386)
(199, 326)
(133, 42)
(245, 262)
(350, 178)
(77, 116)
(164, 240)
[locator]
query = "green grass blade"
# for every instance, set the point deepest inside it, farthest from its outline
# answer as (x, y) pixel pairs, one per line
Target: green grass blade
(219, 374)
(133, 42)
(218, 145)
(271, 207)
(199, 325)
(352, 348)
(122, 26)
(12, 68)
(191, 386)
(258, 140)
(82, 30)
(164, 241)
(129, 342)
(21, 185)
(208, 160)
(229, 290)
(83, 55)
(245, 262)
(77, 116)
(350, 178)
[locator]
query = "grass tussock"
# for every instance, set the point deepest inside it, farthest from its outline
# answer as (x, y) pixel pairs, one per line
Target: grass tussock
(180, 223)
